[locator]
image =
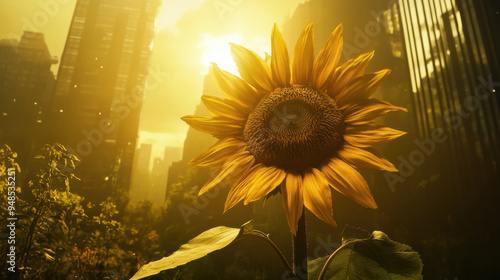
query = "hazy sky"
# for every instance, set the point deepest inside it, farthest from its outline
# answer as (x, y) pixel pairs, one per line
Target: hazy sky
(190, 35)
(182, 54)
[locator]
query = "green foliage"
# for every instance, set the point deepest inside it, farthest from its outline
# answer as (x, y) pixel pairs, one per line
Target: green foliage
(55, 237)
(374, 257)
(60, 165)
(51, 220)
(7, 161)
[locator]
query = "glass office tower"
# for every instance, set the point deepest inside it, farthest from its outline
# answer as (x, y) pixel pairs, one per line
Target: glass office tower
(100, 85)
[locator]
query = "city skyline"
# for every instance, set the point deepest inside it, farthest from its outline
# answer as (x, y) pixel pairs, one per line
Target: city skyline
(176, 38)
(212, 46)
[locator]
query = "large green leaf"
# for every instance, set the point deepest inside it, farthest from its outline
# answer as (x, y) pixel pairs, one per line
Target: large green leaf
(376, 257)
(314, 267)
(209, 241)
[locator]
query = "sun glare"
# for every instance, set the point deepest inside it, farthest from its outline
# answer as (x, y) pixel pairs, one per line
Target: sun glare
(216, 49)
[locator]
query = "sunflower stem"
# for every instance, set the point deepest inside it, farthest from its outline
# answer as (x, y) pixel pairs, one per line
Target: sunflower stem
(300, 249)
(263, 236)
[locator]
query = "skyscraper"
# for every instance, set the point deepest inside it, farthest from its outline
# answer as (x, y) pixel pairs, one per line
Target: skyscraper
(99, 90)
(452, 57)
(454, 70)
(26, 85)
(141, 178)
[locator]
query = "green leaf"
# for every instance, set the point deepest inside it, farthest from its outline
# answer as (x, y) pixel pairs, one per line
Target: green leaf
(209, 241)
(376, 257)
(314, 267)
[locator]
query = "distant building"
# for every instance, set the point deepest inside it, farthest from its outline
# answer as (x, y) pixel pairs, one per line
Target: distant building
(149, 180)
(26, 85)
(99, 90)
(172, 154)
(140, 179)
(196, 142)
(159, 174)
(162, 172)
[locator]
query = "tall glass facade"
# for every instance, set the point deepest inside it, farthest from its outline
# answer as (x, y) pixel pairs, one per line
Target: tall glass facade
(100, 87)
(453, 67)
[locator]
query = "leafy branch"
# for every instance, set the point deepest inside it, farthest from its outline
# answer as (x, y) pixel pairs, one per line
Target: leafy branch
(60, 165)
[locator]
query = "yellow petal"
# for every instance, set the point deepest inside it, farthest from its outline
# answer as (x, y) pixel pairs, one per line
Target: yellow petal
(252, 68)
(347, 72)
(361, 88)
(318, 197)
(229, 172)
(328, 58)
(220, 107)
(234, 88)
(367, 158)
(266, 180)
(367, 135)
(219, 153)
(280, 62)
(242, 186)
(303, 57)
(293, 200)
(368, 110)
(348, 182)
(216, 126)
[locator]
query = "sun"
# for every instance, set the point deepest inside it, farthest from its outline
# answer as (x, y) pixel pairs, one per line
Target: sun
(216, 49)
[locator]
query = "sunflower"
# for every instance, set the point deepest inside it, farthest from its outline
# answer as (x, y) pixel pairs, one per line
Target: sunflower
(303, 126)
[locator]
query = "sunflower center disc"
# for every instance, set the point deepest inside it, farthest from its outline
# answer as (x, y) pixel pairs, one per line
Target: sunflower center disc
(294, 128)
